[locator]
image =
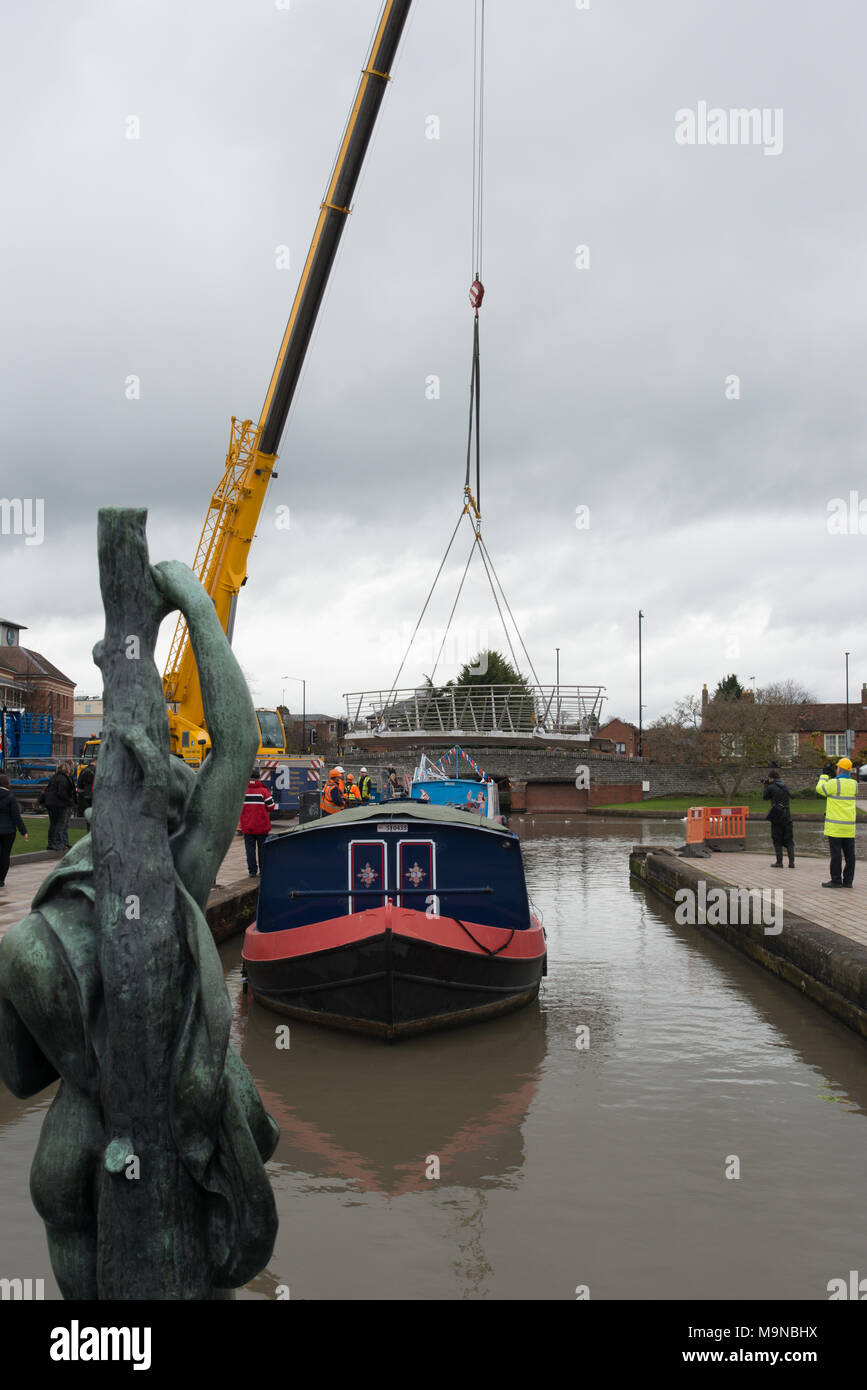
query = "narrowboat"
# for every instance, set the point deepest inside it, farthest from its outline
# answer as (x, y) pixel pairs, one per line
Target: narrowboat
(395, 919)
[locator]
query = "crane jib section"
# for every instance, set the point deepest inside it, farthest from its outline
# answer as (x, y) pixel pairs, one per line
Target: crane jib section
(236, 504)
(332, 219)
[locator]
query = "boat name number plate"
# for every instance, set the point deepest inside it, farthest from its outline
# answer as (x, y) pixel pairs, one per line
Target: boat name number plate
(393, 825)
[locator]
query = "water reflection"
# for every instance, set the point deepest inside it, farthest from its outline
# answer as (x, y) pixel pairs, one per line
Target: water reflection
(558, 1166)
(13, 1111)
(379, 1118)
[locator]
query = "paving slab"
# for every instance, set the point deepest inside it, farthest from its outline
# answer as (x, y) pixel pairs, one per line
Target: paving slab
(23, 880)
(840, 910)
(817, 943)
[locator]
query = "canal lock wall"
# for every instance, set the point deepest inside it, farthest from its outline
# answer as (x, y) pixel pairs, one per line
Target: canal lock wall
(825, 966)
(544, 780)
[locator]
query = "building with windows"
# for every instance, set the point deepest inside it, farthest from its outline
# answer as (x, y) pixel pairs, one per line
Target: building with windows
(324, 731)
(87, 721)
(809, 726)
(624, 737)
(29, 681)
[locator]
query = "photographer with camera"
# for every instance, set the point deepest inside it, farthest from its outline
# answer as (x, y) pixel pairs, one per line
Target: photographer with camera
(780, 816)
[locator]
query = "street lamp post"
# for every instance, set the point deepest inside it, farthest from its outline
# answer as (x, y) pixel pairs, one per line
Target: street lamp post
(303, 707)
(557, 650)
(847, 701)
(640, 706)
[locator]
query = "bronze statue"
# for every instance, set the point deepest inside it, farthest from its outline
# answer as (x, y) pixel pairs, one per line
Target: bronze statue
(149, 1171)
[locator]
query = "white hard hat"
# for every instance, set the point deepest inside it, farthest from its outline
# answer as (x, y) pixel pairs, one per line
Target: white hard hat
(339, 768)
(364, 769)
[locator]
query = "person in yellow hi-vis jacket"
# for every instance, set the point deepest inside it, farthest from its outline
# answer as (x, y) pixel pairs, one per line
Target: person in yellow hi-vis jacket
(840, 791)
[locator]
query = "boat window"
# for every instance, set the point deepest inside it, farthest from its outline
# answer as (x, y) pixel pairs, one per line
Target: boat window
(416, 872)
(368, 874)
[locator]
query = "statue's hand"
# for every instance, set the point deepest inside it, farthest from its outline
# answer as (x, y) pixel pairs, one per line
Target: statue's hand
(177, 585)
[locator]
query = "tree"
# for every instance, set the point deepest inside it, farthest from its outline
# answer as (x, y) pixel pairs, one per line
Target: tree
(790, 694)
(734, 733)
(490, 668)
(787, 692)
(435, 708)
(676, 737)
(739, 735)
(512, 709)
(729, 738)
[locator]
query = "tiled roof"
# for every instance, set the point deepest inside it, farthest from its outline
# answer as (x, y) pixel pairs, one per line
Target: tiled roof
(29, 665)
(825, 719)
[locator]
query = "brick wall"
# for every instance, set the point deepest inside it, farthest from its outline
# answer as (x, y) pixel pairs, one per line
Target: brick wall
(54, 697)
(621, 732)
(623, 776)
(565, 796)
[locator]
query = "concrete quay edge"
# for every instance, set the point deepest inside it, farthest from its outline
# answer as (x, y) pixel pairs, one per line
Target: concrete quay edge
(823, 965)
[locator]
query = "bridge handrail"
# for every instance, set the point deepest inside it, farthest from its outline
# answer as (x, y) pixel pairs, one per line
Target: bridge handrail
(495, 708)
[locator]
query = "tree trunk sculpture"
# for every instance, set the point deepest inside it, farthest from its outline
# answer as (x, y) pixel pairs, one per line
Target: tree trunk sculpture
(149, 1170)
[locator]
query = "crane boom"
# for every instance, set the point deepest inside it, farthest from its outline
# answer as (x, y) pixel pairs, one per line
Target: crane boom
(236, 504)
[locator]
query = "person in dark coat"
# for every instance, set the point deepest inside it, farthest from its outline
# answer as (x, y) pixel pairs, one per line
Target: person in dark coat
(58, 800)
(780, 816)
(85, 787)
(256, 820)
(10, 823)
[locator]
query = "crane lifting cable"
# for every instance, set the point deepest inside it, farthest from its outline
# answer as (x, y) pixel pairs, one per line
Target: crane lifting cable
(472, 501)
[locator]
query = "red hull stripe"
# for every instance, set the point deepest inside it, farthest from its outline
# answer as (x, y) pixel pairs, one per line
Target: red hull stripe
(362, 926)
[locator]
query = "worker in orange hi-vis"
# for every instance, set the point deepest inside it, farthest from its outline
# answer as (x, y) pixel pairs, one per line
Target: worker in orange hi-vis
(332, 794)
(351, 792)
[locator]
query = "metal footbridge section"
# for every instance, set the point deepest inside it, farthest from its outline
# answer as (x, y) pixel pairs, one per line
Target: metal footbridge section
(509, 715)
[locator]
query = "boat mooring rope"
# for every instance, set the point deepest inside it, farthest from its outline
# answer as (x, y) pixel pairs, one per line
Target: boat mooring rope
(465, 928)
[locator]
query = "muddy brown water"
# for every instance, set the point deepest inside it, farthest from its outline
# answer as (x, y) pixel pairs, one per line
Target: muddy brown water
(558, 1166)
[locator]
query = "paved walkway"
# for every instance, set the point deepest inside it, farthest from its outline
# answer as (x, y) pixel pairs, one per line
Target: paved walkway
(23, 880)
(841, 910)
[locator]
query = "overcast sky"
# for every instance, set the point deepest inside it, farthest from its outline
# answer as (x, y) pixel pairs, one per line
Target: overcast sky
(603, 387)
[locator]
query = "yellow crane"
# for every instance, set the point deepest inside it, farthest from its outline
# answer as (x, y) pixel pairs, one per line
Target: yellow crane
(235, 505)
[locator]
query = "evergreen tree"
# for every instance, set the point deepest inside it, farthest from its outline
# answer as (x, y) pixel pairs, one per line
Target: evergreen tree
(490, 668)
(511, 710)
(729, 688)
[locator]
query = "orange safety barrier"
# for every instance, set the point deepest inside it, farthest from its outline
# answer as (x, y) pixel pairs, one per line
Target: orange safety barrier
(725, 822)
(695, 825)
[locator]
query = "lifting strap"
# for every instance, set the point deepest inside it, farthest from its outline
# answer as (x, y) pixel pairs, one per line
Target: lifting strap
(472, 504)
(475, 403)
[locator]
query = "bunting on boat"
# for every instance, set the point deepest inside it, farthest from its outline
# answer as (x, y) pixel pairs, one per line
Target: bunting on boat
(456, 754)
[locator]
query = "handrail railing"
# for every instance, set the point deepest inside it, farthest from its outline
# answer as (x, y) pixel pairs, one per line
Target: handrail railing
(477, 709)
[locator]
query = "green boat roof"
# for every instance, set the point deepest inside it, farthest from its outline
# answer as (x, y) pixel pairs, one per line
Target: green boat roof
(405, 810)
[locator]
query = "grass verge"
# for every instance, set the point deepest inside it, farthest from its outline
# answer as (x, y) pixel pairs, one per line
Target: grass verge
(805, 805)
(37, 836)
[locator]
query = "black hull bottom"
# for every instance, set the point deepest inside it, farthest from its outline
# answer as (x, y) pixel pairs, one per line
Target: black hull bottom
(392, 1032)
(392, 987)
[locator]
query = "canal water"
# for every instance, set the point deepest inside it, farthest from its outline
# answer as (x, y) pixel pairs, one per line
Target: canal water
(505, 1162)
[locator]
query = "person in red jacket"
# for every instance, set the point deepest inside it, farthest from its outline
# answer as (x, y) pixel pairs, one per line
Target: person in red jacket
(256, 820)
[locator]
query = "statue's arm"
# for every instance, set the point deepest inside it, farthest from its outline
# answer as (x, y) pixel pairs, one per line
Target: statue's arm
(264, 1129)
(215, 803)
(23, 1066)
